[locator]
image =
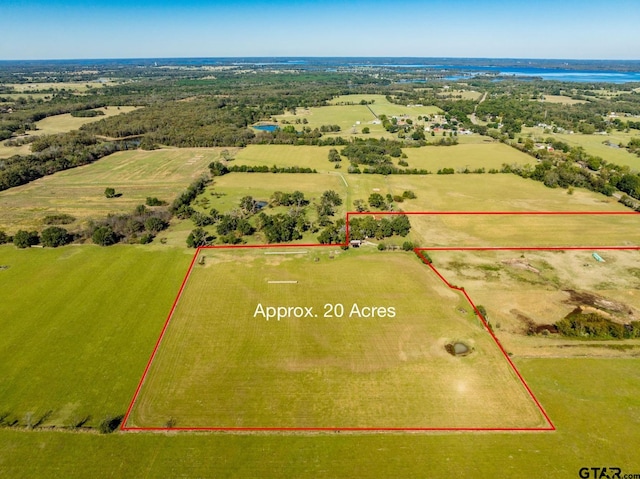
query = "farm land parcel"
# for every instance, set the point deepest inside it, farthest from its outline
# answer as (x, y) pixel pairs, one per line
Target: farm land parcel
(323, 370)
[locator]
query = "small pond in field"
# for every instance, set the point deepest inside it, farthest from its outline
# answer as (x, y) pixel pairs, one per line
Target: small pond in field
(269, 128)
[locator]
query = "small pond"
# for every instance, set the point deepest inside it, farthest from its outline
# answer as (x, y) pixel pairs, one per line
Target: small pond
(269, 128)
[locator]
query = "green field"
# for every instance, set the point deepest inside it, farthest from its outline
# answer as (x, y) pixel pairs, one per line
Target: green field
(80, 191)
(593, 403)
(78, 324)
(335, 368)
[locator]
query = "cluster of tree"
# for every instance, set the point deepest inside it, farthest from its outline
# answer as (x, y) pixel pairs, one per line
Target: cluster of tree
(387, 170)
(181, 206)
(330, 128)
(595, 326)
(372, 152)
(334, 156)
(218, 168)
(289, 199)
(362, 227)
(376, 200)
(87, 113)
(140, 226)
(282, 227)
(51, 237)
(53, 153)
(634, 145)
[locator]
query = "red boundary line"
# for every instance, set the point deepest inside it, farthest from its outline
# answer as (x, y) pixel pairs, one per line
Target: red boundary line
(418, 251)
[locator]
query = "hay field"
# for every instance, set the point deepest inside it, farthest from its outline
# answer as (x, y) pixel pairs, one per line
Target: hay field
(80, 191)
(220, 365)
(486, 155)
(526, 231)
(485, 192)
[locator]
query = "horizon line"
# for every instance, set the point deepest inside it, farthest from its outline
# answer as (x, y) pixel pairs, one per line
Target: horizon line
(224, 57)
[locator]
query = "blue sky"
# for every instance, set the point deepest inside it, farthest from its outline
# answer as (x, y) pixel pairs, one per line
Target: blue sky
(61, 29)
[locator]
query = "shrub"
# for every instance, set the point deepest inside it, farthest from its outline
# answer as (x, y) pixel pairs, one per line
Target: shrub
(55, 236)
(104, 236)
(26, 239)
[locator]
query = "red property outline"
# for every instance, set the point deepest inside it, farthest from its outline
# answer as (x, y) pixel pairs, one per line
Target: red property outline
(418, 251)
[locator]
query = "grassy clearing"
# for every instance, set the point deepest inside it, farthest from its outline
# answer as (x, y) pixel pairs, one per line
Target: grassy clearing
(77, 337)
(80, 191)
(593, 403)
(65, 123)
(564, 100)
(598, 145)
(9, 151)
(220, 365)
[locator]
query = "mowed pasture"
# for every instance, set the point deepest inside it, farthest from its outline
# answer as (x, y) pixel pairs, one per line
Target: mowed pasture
(526, 230)
(223, 364)
(593, 403)
(79, 192)
(78, 324)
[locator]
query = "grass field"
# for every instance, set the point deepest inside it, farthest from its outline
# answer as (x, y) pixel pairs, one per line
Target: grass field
(64, 123)
(592, 401)
(80, 191)
(382, 106)
(522, 231)
(475, 153)
(77, 326)
(334, 369)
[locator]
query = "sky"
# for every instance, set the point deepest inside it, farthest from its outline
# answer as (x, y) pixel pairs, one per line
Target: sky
(78, 29)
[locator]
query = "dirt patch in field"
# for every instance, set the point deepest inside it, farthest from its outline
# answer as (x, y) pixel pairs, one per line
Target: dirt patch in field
(585, 300)
(531, 326)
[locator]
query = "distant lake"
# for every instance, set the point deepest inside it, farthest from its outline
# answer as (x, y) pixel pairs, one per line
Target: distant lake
(269, 128)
